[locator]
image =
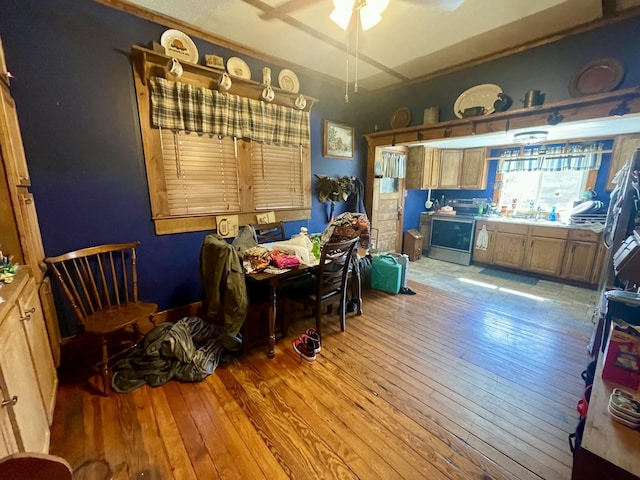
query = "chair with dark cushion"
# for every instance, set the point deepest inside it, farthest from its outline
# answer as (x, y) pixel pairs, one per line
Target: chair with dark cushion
(328, 284)
(101, 284)
(269, 232)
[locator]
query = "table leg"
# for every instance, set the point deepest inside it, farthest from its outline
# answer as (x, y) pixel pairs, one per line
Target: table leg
(272, 320)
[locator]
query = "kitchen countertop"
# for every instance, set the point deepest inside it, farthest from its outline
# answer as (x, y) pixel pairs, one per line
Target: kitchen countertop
(597, 227)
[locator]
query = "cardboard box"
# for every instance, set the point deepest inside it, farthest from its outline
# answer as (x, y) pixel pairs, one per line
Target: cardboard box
(622, 358)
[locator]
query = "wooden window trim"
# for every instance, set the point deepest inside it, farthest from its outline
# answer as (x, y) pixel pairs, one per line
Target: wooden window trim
(146, 64)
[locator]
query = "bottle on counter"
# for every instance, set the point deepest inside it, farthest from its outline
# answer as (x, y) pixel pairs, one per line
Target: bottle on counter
(552, 215)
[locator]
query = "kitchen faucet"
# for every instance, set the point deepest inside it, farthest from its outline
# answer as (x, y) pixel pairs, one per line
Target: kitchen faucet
(538, 211)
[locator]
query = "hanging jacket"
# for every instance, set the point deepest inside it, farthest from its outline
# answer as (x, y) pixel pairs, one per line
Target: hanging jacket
(225, 291)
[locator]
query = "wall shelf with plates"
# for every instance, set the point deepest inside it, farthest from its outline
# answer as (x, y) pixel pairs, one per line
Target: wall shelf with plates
(152, 64)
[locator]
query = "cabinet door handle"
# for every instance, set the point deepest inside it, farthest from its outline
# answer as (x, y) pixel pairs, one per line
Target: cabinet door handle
(12, 401)
(28, 313)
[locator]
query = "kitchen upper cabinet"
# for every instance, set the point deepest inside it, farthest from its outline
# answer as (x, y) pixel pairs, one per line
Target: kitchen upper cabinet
(509, 245)
(423, 168)
(473, 175)
(545, 251)
(463, 169)
(450, 167)
(582, 257)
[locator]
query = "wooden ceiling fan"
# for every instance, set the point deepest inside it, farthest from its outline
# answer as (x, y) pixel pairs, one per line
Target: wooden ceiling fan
(290, 6)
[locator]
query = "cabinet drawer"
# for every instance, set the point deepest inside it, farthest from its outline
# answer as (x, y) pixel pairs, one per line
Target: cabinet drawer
(549, 232)
(511, 228)
(584, 235)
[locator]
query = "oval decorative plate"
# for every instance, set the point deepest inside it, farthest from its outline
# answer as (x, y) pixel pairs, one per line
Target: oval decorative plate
(238, 68)
(288, 81)
(401, 118)
(179, 45)
(598, 76)
(479, 96)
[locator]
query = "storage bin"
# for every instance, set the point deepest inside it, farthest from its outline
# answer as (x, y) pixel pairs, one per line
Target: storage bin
(413, 244)
(386, 274)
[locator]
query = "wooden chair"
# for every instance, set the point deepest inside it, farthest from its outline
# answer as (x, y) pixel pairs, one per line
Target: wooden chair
(34, 466)
(101, 283)
(328, 284)
(269, 232)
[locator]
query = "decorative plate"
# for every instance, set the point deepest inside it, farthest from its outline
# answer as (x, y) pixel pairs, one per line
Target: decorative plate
(288, 81)
(479, 96)
(599, 76)
(401, 118)
(238, 68)
(179, 45)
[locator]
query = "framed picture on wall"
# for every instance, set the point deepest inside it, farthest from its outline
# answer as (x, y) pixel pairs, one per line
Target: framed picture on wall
(338, 140)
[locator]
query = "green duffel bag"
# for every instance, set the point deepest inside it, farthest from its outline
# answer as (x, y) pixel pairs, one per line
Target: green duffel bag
(386, 273)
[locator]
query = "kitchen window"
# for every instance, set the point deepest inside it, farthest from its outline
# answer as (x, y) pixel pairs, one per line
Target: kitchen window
(545, 176)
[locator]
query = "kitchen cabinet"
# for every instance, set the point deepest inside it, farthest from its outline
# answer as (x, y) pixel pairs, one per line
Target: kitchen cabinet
(473, 175)
(484, 255)
(463, 169)
(450, 166)
(423, 168)
(23, 381)
(582, 256)
(28, 379)
(574, 254)
(509, 245)
(545, 250)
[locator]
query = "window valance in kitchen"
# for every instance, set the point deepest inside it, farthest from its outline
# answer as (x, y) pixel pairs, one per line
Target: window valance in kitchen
(184, 107)
(551, 163)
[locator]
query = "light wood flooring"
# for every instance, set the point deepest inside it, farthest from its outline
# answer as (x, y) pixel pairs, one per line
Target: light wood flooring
(433, 386)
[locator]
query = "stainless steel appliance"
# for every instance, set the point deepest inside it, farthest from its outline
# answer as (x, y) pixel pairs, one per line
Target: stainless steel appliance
(452, 235)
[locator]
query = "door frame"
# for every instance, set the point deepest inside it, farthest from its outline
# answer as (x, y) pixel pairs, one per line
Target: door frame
(372, 192)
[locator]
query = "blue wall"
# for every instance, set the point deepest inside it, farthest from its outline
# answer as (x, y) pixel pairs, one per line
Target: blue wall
(74, 90)
(75, 97)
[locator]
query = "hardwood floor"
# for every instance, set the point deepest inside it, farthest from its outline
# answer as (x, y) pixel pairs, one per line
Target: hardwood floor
(433, 386)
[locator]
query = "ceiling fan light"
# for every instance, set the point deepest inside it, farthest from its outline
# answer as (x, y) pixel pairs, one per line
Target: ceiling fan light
(341, 14)
(369, 18)
(531, 138)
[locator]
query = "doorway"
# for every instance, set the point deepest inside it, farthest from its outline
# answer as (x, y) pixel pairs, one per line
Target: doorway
(389, 191)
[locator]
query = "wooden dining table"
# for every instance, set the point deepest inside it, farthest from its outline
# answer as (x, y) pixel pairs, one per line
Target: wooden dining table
(273, 279)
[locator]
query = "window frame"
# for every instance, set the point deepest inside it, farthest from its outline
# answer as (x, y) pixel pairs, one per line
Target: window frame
(146, 64)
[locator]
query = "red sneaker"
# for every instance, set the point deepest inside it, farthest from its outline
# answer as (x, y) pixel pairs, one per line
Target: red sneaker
(311, 342)
(311, 332)
(305, 350)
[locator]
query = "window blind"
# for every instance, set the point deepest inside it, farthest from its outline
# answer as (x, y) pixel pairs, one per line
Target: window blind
(201, 173)
(277, 176)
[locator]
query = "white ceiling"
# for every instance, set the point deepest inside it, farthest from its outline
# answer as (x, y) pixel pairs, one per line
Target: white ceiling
(415, 40)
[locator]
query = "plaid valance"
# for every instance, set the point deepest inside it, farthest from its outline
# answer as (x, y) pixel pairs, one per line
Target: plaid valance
(180, 106)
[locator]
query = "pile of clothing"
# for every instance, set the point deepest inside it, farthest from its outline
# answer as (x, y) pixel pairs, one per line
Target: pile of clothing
(188, 350)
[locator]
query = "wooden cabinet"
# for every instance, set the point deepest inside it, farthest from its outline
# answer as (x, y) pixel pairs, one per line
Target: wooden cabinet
(23, 381)
(450, 167)
(572, 253)
(509, 245)
(545, 250)
(28, 380)
(482, 255)
(423, 168)
(473, 175)
(582, 256)
(463, 169)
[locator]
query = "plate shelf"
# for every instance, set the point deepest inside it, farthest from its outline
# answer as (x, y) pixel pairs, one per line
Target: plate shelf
(151, 64)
